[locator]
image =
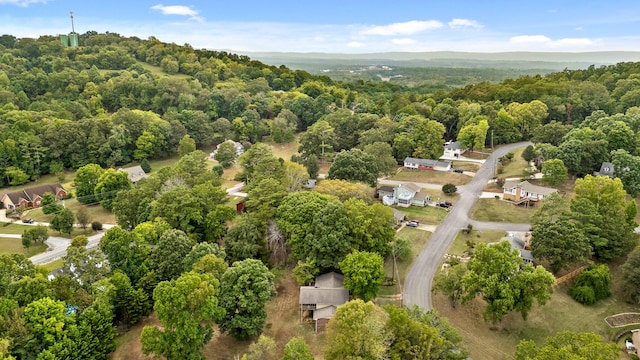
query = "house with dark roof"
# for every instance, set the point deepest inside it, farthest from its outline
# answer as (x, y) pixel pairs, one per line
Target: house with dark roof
(520, 245)
(524, 191)
(135, 173)
(31, 197)
(426, 164)
(453, 149)
(606, 169)
(323, 298)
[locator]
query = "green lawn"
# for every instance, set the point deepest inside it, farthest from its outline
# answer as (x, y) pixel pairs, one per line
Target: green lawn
(14, 246)
(515, 167)
(13, 228)
(501, 211)
(488, 342)
(418, 239)
(54, 265)
(431, 177)
(96, 212)
(459, 246)
(466, 165)
(428, 215)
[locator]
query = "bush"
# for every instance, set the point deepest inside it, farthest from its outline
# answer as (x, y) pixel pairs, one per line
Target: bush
(96, 226)
(500, 181)
(597, 279)
(449, 189)
(218, 170)
(144, 164)
(583, 294)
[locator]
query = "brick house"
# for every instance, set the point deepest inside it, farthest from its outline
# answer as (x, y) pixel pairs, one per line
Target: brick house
(31, 197)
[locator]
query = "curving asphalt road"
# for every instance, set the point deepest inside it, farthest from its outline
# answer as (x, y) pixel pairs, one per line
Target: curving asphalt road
(417, 286)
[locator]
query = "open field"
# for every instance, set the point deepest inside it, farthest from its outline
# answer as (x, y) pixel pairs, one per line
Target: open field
(14, 246)
(501, 211)
(515, 167)
(13, 228)
(418, 239)
(430, 176)
(426, 215)
(96, 212)
(485, 341)
(466, 165)
(56, 264)
(459, 245)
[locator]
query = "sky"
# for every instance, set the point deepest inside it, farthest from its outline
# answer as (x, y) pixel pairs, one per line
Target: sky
(343, 26)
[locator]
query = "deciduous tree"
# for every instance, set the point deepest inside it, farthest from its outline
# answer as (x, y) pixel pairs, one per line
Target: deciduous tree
(357, 331)
(354, 165)
(85, 181)
(166, 258)
(554, 172)
(245, 289)
(561, 243)
(246, 240)
(63, 221)
(569, 345)
(187, 308)
(363, 274)
(109, 184)
(498, 274)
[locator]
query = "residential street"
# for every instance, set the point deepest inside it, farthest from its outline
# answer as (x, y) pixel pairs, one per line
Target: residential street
(417, 286)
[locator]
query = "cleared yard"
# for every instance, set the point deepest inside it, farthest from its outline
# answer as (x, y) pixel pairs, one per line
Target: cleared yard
(515, 167)
(486, 341)
(427, 215)
(96, 212)
(418, 239)
(459, 246)
(467, 165)
(501, 211)
(13, 228)
(431, 177)
(14, 246)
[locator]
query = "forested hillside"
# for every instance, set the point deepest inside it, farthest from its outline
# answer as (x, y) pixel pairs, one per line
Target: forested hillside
(114, 100)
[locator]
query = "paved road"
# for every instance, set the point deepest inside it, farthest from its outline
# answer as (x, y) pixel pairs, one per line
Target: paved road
(58, 248)
(417, 287)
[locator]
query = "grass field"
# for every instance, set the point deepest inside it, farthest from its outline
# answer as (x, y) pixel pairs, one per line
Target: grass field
(501, 211)
(431, 177)
(459, 245)
(428, 215)
(418, 239)
(14, 246)
(485, 341)
(13, 228)
(466, 165)
(515, 167)
(96, 212)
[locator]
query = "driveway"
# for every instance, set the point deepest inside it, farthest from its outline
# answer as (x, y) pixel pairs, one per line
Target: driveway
(417, 287)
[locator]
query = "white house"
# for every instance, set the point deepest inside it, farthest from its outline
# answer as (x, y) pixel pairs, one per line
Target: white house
(427, 164)
(408, 194)
(519, 192)
(453, 149)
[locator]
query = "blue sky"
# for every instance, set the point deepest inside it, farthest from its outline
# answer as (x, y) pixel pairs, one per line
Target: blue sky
(346, 26)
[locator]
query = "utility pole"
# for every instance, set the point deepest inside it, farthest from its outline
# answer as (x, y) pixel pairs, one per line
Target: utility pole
(491, 140)
(73, 30)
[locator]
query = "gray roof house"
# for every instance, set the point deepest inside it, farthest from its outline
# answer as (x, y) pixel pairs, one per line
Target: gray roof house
(323, 298)
(606, 169)
(426, 164)
(135, 173)
(521, 246)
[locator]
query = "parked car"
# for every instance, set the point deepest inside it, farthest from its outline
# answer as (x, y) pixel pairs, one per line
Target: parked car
(448, 203)
(413, 223)
(459, 171)
(445, 204)
(27, 221)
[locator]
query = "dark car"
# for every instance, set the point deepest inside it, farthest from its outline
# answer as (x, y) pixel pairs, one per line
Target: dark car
(27, 221)
(445, 204)
(413, 223)
(459, 171)
(448, 203)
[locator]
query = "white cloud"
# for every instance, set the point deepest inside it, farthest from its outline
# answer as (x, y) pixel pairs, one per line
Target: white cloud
(464, 23)
(404, 28)
(579, 28)
(528, 39)
(403, 41)
(548, 43)
(177, 10)
(23, 3)
(356, 44)
(574, 42)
